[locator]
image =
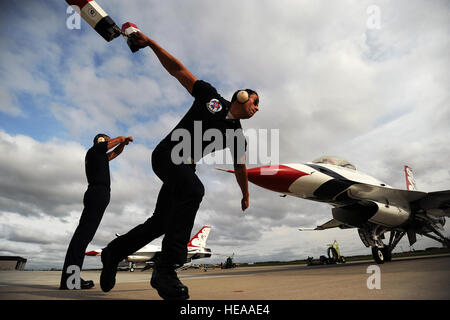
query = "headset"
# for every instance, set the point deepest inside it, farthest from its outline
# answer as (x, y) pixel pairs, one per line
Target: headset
(101, 137)
(242, 96)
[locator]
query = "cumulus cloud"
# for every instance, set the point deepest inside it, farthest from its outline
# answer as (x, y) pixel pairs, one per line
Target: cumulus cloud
(40, 178)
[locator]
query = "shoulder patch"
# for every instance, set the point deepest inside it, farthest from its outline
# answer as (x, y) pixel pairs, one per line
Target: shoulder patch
(214, 106)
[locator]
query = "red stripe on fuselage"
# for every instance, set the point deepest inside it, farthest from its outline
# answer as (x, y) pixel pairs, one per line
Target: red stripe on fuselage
(276, 178)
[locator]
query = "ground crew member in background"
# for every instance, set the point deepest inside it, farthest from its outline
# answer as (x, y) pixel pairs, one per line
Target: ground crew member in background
(95, 201)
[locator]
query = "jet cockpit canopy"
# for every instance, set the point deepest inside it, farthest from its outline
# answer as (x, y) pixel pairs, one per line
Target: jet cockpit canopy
(335, 161)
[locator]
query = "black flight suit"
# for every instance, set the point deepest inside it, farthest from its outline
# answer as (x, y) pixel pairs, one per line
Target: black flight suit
(96, 199)
(182, 191)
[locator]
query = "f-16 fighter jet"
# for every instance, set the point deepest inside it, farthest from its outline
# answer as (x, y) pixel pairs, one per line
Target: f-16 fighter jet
(361, 201)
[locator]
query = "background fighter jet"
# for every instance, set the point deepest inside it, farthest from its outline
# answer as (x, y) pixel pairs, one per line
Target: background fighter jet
(147, 255)
(361, 201)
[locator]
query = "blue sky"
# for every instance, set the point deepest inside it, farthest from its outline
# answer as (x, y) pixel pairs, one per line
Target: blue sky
(376, 97)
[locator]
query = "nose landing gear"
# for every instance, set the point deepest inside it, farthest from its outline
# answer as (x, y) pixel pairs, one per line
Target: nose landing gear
(373, 238)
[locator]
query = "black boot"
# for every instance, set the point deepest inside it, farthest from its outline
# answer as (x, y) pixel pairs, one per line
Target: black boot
(87, 284)
(169, 287)
(108, 275)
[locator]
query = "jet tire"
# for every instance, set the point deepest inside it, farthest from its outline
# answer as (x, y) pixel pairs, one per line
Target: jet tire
(387, 254)
(378, 255)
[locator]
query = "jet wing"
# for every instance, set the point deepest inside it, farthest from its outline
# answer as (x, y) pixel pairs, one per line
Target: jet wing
(362, 191)
(327, 225)
(436, 203)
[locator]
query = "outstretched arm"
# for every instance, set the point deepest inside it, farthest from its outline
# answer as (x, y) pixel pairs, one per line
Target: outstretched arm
(240, 171)
(120, 142)
(169, 62)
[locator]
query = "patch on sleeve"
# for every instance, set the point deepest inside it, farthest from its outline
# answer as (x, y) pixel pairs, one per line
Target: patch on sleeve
(214, 106)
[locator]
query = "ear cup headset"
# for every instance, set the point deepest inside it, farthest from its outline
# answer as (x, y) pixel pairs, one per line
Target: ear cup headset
(242, 96)
(101, 137)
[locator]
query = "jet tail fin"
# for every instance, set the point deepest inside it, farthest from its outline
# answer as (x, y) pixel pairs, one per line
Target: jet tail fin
(94, 253)
(410, 181)
(199, 240)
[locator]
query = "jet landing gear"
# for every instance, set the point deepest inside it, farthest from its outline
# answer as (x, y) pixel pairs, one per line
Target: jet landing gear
(373, 238)
(381, 255)
(438, 236)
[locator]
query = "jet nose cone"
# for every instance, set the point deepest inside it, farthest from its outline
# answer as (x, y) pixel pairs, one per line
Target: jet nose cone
(276, 177)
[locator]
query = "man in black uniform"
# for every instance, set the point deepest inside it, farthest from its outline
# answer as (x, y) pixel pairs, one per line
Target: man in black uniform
(182, 191)
(96, 199)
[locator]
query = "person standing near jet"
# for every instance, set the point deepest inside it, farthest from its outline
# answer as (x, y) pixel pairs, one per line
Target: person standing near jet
(182, 191)
(96, 199)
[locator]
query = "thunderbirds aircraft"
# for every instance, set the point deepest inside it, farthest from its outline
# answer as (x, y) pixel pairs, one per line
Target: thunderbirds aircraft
(148, 254)
(361, 201)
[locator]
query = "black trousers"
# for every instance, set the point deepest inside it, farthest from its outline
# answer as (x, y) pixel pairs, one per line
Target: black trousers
(177, 204)
(96, 199)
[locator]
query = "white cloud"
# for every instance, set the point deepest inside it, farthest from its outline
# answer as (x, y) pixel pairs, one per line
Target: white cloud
(40, 178)
(8, 103)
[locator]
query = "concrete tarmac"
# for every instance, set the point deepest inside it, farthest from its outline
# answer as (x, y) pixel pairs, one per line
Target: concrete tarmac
(425, 278)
